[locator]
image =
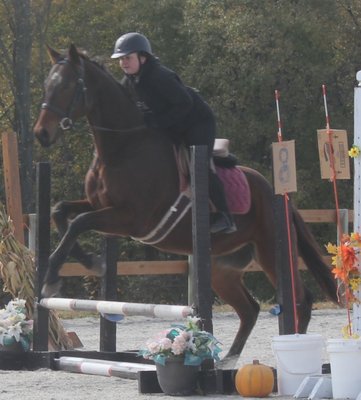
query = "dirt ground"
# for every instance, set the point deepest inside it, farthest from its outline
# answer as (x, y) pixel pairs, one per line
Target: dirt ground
(132, 333)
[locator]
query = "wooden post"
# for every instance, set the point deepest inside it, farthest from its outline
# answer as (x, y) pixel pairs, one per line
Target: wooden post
(200, 268)
(12, 183)
(356, 320)
(108, 329)
(286, 318)
(42, 252)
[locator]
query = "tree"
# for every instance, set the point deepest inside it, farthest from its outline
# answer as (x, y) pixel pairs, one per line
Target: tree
(15, 53)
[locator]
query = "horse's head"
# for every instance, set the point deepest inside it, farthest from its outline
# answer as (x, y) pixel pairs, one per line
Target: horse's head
(65, 96)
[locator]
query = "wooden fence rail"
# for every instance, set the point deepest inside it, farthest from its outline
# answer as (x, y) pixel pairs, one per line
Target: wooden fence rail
(181, 266)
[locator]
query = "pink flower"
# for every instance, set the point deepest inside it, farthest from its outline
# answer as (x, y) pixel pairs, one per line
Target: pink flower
(179, 345)
(165, 344)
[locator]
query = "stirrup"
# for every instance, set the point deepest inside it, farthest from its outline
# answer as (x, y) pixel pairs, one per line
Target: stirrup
(223, 224)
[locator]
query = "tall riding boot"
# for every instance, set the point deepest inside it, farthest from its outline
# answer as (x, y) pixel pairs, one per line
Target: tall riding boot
(224, 221)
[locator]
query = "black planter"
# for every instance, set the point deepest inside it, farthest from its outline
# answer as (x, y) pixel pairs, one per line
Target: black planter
(177, 379)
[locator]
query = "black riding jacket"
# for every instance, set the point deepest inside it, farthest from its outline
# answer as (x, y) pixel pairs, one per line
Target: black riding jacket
(165, 101)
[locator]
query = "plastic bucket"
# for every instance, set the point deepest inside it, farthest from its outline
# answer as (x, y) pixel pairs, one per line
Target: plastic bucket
(297, 356)
(345, 360)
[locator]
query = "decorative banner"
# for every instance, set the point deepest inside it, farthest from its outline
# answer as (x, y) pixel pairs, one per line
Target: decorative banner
(340, 147)
(284, 167)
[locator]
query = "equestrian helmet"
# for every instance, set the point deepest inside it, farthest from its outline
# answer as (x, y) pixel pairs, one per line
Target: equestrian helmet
(132, 42)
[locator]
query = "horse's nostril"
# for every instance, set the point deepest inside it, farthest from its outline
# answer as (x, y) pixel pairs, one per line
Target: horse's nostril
(43, 137)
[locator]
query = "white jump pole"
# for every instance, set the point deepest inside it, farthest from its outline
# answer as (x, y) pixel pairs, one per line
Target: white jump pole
(119, 308)
(356, 319)
(102, 367)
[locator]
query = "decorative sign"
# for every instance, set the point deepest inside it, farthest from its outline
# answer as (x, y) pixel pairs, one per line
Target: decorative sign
(339, 150)
(284, 167)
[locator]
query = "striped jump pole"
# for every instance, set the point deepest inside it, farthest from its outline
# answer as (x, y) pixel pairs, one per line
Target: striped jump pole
(90, 366)
(118, 308)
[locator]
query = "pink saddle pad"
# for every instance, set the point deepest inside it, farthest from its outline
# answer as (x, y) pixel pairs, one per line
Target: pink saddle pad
(237, 189)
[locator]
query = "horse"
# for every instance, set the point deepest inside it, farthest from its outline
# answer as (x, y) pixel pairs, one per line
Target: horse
(132, 183)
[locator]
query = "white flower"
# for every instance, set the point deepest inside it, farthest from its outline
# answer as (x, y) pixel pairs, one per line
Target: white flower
(19, 303)
(2, 334)
(5, 323)
(15, 330)
(193, 320)
(27, 327)
(193, 347)
(13, 321)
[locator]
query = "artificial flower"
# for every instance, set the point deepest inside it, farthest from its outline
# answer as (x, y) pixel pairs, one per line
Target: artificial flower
(347, 333)
(187, 341)
(354, 151)
(345, 258)
(14, 326)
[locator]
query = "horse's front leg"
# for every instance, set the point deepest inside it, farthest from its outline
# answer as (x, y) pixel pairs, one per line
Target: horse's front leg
(105, 220)
(61, 214)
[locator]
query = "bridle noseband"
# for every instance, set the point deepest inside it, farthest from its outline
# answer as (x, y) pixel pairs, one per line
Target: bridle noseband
(66, 122)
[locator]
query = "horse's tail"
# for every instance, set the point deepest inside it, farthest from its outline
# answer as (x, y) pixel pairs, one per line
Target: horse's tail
(311, 254)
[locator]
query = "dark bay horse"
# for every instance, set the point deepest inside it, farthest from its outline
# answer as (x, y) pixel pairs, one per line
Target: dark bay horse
(133, 181)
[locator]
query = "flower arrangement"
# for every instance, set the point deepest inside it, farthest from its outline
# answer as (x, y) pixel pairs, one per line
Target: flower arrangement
(187, 341)
(354, 151)
(14, 327)
(344, 261)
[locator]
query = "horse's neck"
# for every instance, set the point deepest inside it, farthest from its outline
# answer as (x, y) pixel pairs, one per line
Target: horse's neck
(110, 106)
(121, 139)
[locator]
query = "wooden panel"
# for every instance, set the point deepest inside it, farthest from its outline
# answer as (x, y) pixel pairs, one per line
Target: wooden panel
(322, 216)
(133, 268)
(157, 267)
(12, 183)
(254, 267)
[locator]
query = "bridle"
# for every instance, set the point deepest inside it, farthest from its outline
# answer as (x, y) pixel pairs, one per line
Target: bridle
(66, 121)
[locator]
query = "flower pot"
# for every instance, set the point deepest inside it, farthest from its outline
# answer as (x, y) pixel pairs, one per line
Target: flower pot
(12, 355)
(177, 379)
(10, 344)
(345, 361)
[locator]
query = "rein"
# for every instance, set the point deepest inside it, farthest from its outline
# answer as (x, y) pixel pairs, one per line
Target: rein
(125, 130)
(66, 122)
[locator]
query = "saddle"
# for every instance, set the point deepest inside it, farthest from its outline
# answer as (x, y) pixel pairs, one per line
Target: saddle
(233, 178)
(224, 163)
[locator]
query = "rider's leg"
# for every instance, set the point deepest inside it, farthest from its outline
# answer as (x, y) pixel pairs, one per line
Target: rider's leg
(224, 220)
(204, 134)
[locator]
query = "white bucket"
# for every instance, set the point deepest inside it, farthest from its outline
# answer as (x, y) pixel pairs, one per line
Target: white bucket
(345, 360)
(297, 356)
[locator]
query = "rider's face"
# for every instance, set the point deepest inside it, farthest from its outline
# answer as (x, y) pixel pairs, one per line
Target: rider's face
(130, 63)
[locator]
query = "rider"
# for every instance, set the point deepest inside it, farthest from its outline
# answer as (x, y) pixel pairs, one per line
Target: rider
(169, 105)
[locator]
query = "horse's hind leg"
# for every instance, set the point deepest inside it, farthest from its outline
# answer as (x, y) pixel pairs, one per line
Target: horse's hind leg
(227, 283)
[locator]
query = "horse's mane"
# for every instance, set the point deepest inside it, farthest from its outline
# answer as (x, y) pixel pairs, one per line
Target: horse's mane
(100, 65)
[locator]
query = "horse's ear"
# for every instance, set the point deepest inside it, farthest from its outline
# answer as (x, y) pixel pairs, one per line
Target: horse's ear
(54, 55)
(73, 54)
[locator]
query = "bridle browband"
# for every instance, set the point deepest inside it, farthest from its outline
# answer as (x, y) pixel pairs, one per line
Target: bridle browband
(66, 122)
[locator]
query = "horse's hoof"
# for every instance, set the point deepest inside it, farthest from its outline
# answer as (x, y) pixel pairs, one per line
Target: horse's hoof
(51, 289)
(98, 265)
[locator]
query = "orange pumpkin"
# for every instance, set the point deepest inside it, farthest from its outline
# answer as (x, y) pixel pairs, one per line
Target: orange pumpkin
(254, 380)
